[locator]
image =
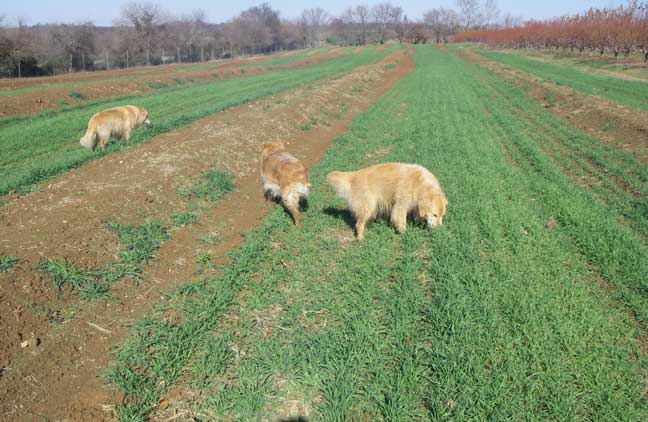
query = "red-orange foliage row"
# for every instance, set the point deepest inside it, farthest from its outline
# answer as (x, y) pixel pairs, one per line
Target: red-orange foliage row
(623, 29)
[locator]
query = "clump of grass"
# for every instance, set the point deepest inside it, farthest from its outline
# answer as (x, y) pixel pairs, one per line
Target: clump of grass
(216, 356)
(212, 186)
(88, 282)
(157, 85)
(211, 239)
(204, 261)
(389, 66)
(357, 90)
(306, 127)
(77, 95)
(178, 81)
(26, 189)
(608, 127)
(138, 244)
(243, 71)
(214, 75)
(7, 263)
(183, 218)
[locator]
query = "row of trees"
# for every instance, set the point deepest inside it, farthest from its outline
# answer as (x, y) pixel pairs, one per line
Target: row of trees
(616, 30)
(145, 34)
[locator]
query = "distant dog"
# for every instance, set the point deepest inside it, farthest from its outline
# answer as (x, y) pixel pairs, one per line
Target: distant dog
(395, 188)
(117, 122)
(284, 177)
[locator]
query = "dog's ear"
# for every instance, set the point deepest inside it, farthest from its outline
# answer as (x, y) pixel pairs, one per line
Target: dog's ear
(421, 209)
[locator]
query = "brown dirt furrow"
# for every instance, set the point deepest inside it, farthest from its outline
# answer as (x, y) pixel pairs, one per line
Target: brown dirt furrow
(60, 377)
(622, 127)
(137, 82)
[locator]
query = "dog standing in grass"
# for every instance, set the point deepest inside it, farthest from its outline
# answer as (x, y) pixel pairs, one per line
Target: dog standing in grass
(284, 177)
(117, 122)
(394, 188)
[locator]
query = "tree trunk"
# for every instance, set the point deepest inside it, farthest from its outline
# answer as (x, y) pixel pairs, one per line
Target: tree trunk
(126, 59)
(70, 69)
(148, 62)
(19, 70)
(178, 49)
(83, 60)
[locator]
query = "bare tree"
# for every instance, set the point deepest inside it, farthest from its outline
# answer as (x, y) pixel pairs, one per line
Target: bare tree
(357, 18)
(263, 19)
(146, 18)
(385, 16)
(442, 22)
(312, 21)
(510, 21)
(470, 13)
(401, 29)
(490, 12)
(76, 43)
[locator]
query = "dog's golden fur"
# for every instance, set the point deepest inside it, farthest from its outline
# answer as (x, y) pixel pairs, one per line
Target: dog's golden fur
(284, 177)
(394, 188)
(117, 122)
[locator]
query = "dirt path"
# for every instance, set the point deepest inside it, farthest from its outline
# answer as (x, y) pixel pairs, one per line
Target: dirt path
(619, 126)
(59, 378)
(139, 81)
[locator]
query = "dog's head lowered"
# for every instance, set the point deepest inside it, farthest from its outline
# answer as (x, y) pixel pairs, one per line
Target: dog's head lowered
(144, 117)
(432, 207)
(270, 148)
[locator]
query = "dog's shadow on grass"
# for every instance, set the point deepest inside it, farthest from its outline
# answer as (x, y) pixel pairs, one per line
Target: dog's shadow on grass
(294, 419)
(341, 214)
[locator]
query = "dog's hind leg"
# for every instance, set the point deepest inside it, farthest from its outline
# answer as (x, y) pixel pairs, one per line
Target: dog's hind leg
(290, 199)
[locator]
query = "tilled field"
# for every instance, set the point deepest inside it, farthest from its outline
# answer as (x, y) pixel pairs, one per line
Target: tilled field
(153, 283)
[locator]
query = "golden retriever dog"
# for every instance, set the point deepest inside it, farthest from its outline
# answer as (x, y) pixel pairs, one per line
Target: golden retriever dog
(284, 177)
(117, 122)
(395, 188)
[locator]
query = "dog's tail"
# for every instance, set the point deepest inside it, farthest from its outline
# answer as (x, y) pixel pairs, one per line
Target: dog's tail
(340, 182)
(89, 140)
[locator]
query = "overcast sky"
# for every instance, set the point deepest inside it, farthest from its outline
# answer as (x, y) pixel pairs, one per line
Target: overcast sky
(104, 12)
